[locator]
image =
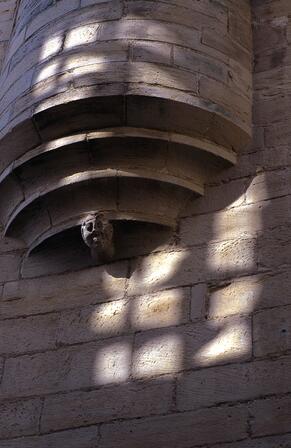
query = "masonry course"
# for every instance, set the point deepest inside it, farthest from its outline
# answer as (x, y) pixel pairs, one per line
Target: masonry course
(186, 344)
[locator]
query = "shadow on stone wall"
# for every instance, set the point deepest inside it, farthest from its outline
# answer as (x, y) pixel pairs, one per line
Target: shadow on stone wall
(153, 350)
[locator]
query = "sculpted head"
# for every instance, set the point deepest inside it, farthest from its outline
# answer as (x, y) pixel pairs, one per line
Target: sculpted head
(97, 233)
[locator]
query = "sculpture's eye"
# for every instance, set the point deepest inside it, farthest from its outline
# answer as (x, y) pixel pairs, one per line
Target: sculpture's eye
(89, 227)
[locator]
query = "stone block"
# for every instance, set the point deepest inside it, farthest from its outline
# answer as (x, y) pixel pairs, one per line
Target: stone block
(270, 416)
(158, 353)
(166, 270)
(28, 334)
(219, 197)
(221, 260)
(198, 301)
(78, 438)
(10, 266)
(274, 248)
(228, 259)
(270, 110)
(233, 223)
(94, 322)
(19, 418)
(164, 309)
(241, 296)
(130, 400)
(283, 441)
(278, 134)
(196, 62)
(271, 35)
(232, 383)
(208, 387)
(48, 15)
(35, 296)
(153, 52)
(183, 430)
(172, 13)
(11, 196)
(272, 331)
(139, 72)
(226, 45)
(194, 345)
(238, 30)
(76, 59)
(256, 292)
(94, 364)
(230, 103)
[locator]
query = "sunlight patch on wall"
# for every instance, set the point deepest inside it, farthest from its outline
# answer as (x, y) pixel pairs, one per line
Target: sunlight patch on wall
(159, 310)
(156, 271)
(112, 364)
(51, 47)
(109, 318)
(238, 222)
(234, 341)
(238, 297)
(158, 355)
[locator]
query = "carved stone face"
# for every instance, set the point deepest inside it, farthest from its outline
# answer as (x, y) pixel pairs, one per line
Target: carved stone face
(97, 233)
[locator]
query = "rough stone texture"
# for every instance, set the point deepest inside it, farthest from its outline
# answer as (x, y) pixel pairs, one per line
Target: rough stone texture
(185, 342)
(7, 9)
(118, 402)
(20, 418)
(178, 429)
(154, 66)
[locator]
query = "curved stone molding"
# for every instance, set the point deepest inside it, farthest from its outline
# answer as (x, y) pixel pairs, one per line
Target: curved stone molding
(122, 107)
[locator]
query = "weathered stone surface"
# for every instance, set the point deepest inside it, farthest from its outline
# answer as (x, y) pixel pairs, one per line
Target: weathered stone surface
(262, 442)
(19, 418)
(196, 345)
(69, 52)
(10, 266)
(246, 294)
(271, 416)
(272, 331)
(94, 322)
(95, 364)
(237, 222)
(238, 297)
(28, 334)
(187, 267)
(268, 186)
(198, 301)
(208, 387)
(34, 296)
(122, 401)
(201, 427)
(78, 438)
(219, 197)
(186, 345)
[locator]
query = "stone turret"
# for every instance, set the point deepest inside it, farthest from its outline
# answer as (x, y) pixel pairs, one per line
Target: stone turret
(124, 108)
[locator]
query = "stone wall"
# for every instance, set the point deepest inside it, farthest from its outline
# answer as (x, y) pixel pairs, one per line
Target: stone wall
(7, 9)
(188, 346)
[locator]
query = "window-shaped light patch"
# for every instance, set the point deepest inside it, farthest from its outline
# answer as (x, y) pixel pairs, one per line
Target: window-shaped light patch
(157, 354)
(157, 270)
(163, 309)
(233, 342)
(112, 362)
